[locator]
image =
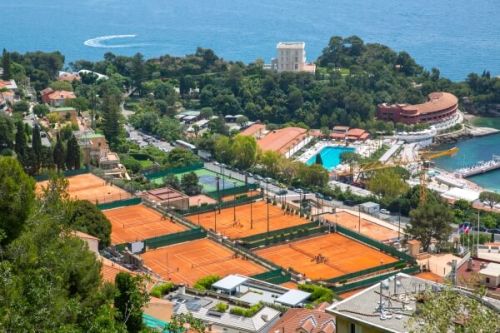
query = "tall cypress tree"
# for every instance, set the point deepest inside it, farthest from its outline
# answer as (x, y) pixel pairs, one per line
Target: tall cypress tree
(73, 154)
(20, 139)
(58, 154)
(36, 144)
(6, 65)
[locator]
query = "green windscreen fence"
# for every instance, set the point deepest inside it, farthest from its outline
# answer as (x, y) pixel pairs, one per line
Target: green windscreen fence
(67, 173)
(282, 235)
(119, 203)
(371, 281)
(232, 191)
(393, 265)
(179, 237)
(276, 276)
(225, 204)
(163, 173)
(382, 247)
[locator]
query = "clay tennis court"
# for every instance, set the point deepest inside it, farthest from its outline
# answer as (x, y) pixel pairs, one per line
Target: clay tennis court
(368, 228)
(92, 188)
(325, 257)
(242, 227)
(138, 222)
(190, 261)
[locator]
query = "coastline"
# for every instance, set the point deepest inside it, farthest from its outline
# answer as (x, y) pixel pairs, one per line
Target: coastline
(470, 130)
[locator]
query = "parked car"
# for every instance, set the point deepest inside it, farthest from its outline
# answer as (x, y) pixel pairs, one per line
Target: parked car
(268, 180)
(319, 195)
(385, 211)
(327, 198)
(299, 190)
(282, 192)
(494, 231)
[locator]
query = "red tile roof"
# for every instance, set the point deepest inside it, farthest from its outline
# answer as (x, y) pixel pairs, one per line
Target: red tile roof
(283, 139)
(61, 94)
(311, 321)
(437, 101)
(253, 130)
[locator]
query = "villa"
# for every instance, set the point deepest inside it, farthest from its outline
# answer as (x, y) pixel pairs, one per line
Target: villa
(291, 57)
(56, 98)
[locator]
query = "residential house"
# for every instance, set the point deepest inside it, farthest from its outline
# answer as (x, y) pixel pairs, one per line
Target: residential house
(305, 321)
(56, 98)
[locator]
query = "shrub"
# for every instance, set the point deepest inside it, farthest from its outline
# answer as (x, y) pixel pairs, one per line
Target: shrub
(250, 312)
(319, 294)
(206, 282)
(162, 289)
(221, 307)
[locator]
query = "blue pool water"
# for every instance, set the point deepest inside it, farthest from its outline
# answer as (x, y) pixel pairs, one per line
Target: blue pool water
(330, 156)
(456, 36)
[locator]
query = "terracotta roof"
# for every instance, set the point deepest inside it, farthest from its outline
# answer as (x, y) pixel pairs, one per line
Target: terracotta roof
(311, 321)
(253, 130)
(437, 101)
(110, 269)
(355, 132)
(61, 94)
(341, 128)
(430, 276)
(283, 139)
(46, 91)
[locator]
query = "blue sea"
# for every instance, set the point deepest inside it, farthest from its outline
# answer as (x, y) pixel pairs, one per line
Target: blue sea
(470, 152)
(458, 37)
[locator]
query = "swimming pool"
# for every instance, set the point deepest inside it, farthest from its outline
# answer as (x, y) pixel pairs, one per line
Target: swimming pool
(330, 156)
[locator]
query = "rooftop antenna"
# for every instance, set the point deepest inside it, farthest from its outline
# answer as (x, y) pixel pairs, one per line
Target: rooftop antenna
(381, 308)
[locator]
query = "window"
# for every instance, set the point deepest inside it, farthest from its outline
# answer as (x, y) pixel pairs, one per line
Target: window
(487, 280)
(296, 59)
(296, 66)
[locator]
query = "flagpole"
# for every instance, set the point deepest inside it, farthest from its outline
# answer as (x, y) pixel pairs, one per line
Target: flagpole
(477, 245)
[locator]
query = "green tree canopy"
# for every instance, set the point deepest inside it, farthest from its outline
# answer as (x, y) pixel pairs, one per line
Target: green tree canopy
(189, 184)
(244, 151)
(84, 216)
(17, 197)
(490, 198)
(430, 221)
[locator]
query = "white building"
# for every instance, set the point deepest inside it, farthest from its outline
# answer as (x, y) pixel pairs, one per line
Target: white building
(490, 276)
(291, 57)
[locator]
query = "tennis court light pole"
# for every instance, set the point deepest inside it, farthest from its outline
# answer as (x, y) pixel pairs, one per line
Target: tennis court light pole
(251, 215)
(234, 203)
(268, 215)
(215, 215)
(359, 218)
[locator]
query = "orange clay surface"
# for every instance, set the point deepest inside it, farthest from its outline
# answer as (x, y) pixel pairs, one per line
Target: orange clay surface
(187, 262)
(92, 188)
(368, 228)
(138, 222)
(343, 255)
(242, 228)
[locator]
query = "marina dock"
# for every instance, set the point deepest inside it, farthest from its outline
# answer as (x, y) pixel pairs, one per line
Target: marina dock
(481, 167)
